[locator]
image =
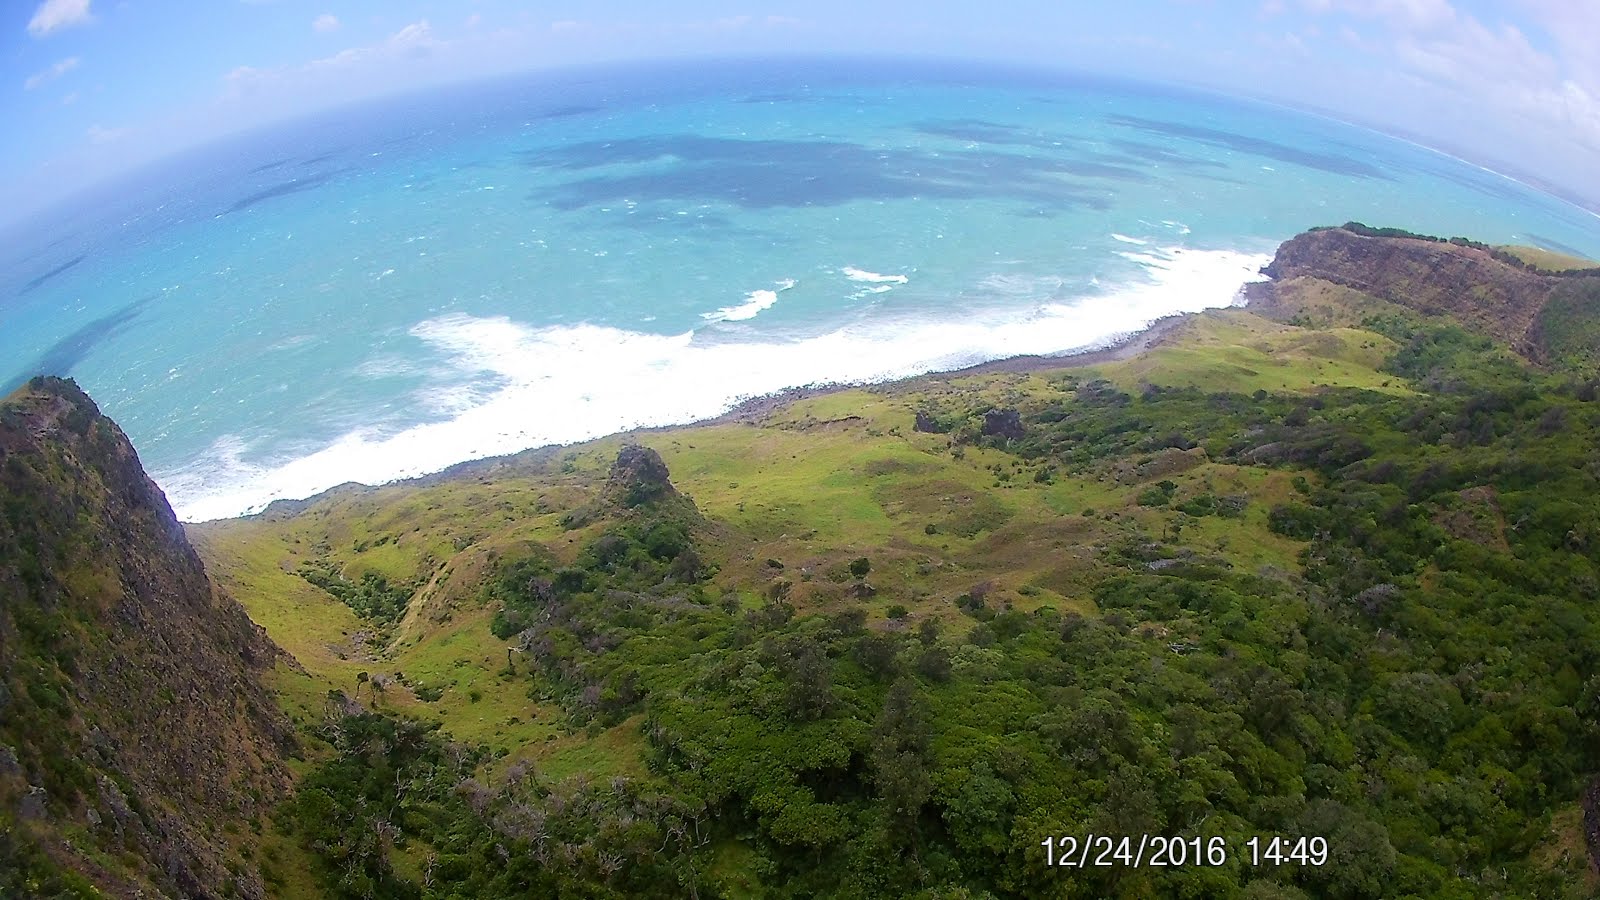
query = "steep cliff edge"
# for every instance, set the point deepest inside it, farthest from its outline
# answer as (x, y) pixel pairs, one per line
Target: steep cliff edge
(1545, 317)
(135, 733)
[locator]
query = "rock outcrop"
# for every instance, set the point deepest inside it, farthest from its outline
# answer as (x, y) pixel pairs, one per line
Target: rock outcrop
(1003, 423)
(133, 719)
(639, 477)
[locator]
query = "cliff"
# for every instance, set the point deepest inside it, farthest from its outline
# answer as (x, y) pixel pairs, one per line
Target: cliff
(1485, 289)
(133, 721)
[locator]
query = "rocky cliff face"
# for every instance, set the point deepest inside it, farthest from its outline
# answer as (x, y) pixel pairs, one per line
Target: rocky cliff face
(1468, 283)
(133, 721)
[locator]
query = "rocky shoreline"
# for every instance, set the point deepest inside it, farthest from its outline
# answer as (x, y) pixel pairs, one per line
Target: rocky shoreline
(755, 409)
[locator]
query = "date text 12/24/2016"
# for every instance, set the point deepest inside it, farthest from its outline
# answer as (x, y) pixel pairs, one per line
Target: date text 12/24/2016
(1156, 851)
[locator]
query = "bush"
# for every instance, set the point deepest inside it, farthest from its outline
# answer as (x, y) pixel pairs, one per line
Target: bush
(1294, 520)
(371, 597)
(1159, 494)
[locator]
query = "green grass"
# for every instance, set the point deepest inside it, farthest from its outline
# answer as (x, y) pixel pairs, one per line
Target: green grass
(819, 483)
(286, 867)
(1240, 352)
(1569, 325)
(1549, 260)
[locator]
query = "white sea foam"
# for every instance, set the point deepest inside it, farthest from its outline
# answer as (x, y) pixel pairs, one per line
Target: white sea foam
(387, 366)
(557, 385)
(1127, 240)
(1021, 288)
(756, 302)
(855, 274)
(293, 341)
(869, 291)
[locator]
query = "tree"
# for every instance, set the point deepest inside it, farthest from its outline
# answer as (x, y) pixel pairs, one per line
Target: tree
(809, 684)
(877, 654)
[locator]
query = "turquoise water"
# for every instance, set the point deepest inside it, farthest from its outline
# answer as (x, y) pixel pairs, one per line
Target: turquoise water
(399, 287)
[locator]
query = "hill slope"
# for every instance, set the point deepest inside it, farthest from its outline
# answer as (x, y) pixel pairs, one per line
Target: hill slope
(135, 733)
(1322, 568)
(1547, 313)
(1319, 568)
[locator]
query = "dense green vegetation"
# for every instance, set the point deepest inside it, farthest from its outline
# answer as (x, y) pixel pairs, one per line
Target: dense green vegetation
(371, 596)
(1421, 689)
(1326, 567)
(1578, 269)
(1570, 326)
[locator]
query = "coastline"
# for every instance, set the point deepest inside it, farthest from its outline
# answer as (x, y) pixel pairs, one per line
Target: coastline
(751, 411)
(1128, 346)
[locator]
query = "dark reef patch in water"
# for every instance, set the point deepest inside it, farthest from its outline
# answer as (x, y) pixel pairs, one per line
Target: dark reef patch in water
(1149, 153)
(975, 130)
(1326, 162)
(58, 270)
(1555, 246)
(984, 132)
(1482, 181)
(279, 190)
(1131, 156)
(64, 355)
(767, 174)
(267, 167)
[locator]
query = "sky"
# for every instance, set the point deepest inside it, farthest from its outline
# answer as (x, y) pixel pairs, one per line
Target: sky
(91, 88)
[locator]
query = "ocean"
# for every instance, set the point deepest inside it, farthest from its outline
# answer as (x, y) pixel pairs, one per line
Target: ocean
(384, 291)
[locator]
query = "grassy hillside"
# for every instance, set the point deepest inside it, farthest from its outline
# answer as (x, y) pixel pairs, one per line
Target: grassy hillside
(813, 487)
(1325, 571)
(1549, 260)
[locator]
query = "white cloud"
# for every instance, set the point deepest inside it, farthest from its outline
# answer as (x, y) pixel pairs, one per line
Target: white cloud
(1412, 14)
(1574, 28)
(413, 41)
(51, 74)
(101, 135)
(1288, 43)
(53, 15)
(413, 36)
(1483, 67)
(325, 23)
